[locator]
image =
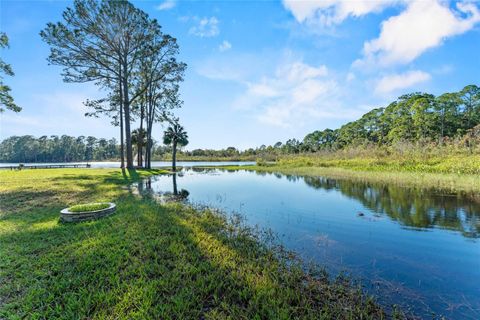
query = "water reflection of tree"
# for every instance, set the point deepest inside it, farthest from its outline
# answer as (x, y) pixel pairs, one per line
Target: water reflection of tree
(144, 188)
(183, 194)
(411, 207)
(174, 182)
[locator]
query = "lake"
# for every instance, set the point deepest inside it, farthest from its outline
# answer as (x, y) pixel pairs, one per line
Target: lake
(416, 248)
(155, 164)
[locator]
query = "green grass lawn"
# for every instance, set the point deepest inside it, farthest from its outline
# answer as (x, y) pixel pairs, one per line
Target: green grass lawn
(147, 260)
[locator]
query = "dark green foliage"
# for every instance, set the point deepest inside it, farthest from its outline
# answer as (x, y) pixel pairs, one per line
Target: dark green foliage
(6, 99)
(413, 118)
(57, 149)
(175, 135)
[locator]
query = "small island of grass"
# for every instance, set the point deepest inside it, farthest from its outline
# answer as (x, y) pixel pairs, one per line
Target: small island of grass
(88, 207)
(87, 211)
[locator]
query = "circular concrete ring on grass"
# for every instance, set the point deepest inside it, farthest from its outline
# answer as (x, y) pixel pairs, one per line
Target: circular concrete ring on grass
(68, 216)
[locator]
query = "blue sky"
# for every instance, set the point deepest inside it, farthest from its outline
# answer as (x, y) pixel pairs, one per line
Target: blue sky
(260, 71)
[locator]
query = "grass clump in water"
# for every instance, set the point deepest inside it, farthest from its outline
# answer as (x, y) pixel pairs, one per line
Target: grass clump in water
(87, 207)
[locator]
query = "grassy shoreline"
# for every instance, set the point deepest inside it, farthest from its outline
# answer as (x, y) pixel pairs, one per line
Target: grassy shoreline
(443, 182)
(147, 260)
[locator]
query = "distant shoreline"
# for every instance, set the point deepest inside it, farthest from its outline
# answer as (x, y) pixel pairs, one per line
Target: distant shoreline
(442, 182)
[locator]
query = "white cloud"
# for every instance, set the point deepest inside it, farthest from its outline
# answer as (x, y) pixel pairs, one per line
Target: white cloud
(166, 5)
(236, 67)
(280, 89)
(206, 27)
(299, 71)
(224, 46)
(331, 12)
(391, 83)
(421, 26)
(262, 90)
(295, 94)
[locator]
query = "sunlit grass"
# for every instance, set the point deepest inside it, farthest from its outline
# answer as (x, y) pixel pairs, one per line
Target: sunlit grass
(448, 164)
(88, 207)
(147, 260)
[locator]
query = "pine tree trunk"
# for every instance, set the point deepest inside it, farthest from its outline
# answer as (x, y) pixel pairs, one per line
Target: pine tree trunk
(148, 153)
(122, 143)
(150, 145)
(140, 140)
(149, 119)
(174, 156)
(120, 95)
(126, 110)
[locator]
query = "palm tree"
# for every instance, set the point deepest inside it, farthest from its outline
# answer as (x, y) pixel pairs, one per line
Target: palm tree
(139, 138)
(175, 135)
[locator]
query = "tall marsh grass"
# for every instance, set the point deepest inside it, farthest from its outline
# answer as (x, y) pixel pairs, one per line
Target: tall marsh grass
(401, 157)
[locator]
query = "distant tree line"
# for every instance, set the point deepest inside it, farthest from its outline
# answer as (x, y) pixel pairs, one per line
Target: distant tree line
(413, 119)
(24, 149)
(451, 119)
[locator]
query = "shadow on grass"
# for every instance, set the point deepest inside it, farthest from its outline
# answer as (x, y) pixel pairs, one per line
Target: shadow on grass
(14, 201)
(58, 192)
(120, 176)
(130, 175)
(141, 261)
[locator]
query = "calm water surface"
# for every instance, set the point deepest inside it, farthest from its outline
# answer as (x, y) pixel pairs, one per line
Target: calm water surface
(155, 164)
(418, 249)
